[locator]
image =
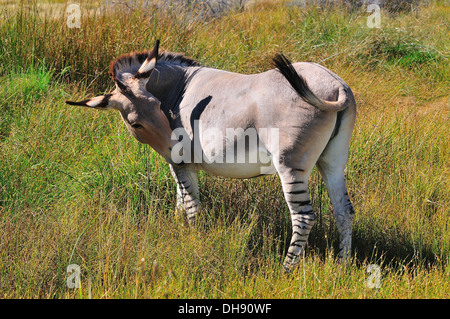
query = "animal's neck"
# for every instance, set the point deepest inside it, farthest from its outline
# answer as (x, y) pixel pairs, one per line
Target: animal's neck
(167, 83)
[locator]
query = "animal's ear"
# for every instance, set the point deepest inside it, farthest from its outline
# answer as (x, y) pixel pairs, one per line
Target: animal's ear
(149, 64)
(101, 102)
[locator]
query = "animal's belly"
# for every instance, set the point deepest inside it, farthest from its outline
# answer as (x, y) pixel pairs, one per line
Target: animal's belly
(255, 162)
(238, 170)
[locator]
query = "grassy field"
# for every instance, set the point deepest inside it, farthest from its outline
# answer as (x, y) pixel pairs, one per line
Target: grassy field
(76, 188)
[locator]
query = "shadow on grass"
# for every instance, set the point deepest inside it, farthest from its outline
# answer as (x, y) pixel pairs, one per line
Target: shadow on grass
(263, 199)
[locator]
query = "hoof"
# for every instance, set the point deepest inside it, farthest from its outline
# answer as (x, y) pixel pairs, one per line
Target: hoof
(288, 266)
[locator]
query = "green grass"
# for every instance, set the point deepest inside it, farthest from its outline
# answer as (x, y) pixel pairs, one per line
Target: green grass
(76, 188)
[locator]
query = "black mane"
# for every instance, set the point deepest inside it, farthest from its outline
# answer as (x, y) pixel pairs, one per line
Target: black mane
(177, 58)
(132, 61)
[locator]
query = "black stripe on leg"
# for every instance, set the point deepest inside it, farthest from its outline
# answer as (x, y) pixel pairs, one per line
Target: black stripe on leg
(192, 206)
(302, 227)
(302, 191)
(291, 255)
(309, 212)
(298, 243)
(186, 186)
(301, 202)
(295, 182)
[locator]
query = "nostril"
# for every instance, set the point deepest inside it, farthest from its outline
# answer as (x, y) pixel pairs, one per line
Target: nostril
(136, 126)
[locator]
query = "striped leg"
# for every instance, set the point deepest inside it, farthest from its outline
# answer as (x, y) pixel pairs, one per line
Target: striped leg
(187, 192)
(295, 188)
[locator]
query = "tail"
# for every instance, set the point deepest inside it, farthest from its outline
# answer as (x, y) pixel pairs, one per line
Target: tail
(300, 86)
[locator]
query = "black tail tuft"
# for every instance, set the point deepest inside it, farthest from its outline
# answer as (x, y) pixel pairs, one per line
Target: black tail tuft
(300, 86)
(297, 81)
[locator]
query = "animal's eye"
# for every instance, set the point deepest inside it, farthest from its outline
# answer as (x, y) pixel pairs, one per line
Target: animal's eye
(136, 126)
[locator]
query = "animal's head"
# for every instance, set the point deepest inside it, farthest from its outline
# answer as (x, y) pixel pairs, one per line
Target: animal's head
(139, 109)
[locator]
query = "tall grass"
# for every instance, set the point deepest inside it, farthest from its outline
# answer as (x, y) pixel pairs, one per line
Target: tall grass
(75, 188)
